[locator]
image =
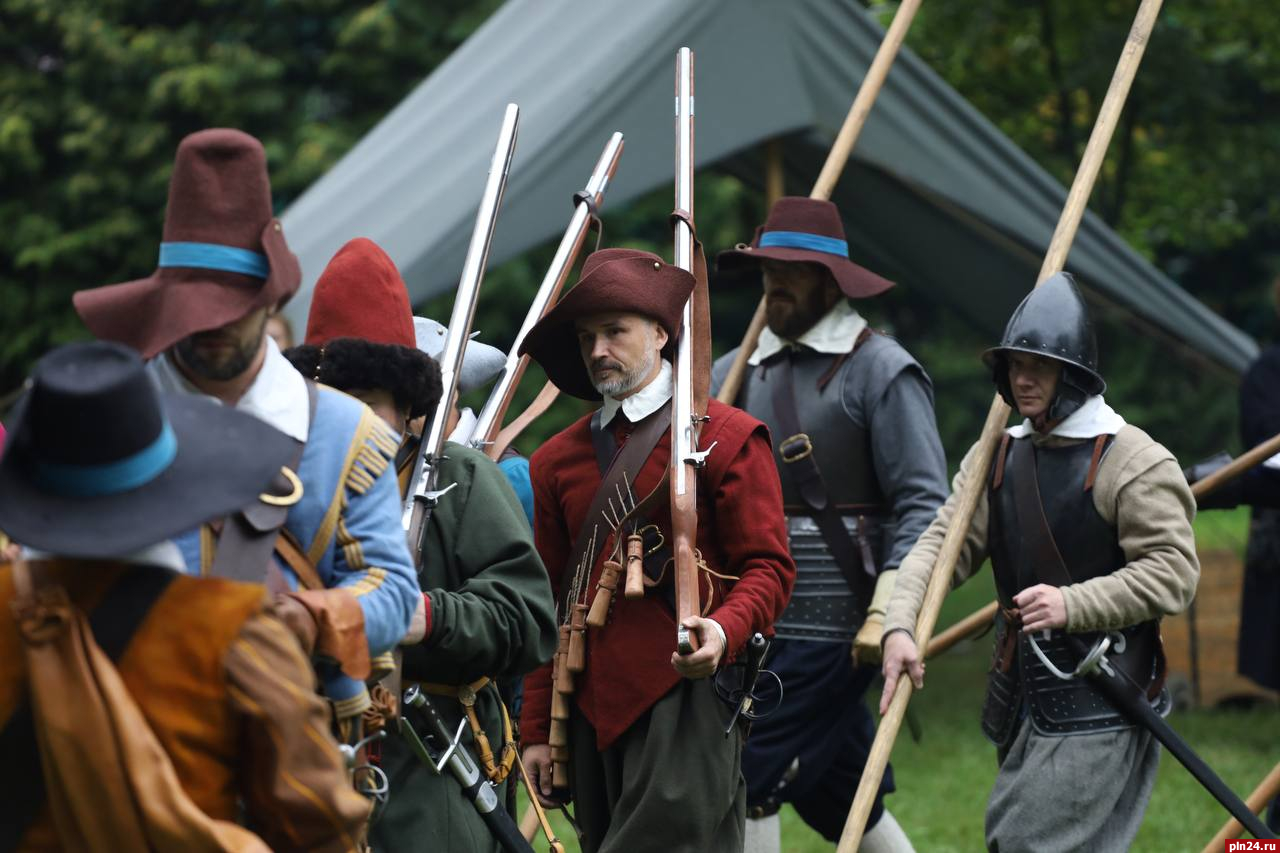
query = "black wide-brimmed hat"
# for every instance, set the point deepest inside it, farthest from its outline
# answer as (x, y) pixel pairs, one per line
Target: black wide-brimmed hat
(805, 230)
(100, 463)
(624, 280)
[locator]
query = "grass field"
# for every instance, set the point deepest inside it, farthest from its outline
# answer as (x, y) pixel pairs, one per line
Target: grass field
(943, 780)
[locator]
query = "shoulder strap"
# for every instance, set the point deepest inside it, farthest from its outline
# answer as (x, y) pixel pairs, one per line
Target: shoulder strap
(628, 459)
(799, 465)
(113, 622)
(249, 536)
(1039, 547)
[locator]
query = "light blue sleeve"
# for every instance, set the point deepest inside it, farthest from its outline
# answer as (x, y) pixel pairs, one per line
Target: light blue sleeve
(516, 469)
(372, 561)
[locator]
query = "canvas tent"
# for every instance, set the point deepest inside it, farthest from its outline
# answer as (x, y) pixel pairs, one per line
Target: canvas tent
(935, 197)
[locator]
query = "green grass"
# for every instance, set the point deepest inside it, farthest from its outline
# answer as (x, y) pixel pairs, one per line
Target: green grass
(943, 780)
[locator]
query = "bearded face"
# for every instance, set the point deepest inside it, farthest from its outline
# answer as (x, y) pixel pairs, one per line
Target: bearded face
(620, 351)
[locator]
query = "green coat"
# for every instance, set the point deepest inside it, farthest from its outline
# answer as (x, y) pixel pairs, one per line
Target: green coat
(492, 615)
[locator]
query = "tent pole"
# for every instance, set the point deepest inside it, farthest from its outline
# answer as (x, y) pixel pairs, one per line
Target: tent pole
(940, 580)
(837, 157)
(774, 178)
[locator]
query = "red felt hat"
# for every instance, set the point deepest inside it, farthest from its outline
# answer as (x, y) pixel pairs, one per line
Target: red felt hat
(360, 294)
(223, 256)
(806, 230)
(624, 280)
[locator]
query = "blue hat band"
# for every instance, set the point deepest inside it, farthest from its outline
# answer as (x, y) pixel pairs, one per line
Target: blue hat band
(111, 478)
(802, 240)
(213, 256)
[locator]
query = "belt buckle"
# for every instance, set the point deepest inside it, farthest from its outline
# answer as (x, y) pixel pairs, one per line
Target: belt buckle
(790, 453)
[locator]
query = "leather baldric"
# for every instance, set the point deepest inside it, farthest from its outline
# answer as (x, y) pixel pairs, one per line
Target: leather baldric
(1039, 547)
(801, 467)
(249, 537)
(626, 460)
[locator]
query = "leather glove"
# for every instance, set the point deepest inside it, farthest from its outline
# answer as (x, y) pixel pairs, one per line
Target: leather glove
(866, 645)
(1227, 496)
(298, 619)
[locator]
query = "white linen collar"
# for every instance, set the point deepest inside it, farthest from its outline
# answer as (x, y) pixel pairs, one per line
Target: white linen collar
(833, 334)
(164, 555)
(644, 402)
(1091, 420)
(278, 394)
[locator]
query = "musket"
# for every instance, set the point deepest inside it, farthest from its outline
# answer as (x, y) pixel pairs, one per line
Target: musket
(453, 755)
(586, 203)
(1131, 700)
(424, 493)
(686, 415)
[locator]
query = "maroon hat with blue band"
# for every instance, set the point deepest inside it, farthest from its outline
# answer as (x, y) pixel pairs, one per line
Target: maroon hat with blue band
(805, 230)
(100, 463)
(223, 255)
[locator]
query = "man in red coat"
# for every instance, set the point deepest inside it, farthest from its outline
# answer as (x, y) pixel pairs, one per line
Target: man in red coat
(648, 763)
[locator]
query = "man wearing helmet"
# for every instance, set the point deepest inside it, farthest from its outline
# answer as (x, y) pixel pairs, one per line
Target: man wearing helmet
(1087, 522)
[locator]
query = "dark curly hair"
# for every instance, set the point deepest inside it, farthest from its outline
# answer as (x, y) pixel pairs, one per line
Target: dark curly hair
(412, 376)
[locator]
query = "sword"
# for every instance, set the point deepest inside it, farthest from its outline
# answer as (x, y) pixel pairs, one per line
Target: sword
(454, 757)
(1131, 700)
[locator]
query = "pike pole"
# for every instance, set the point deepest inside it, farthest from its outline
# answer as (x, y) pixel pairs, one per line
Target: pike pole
(686, 418)
(997, 417)
(837, 157)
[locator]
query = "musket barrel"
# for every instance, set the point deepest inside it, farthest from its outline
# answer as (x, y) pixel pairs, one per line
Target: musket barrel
(489, 421)
(416, 508)
(684, 426)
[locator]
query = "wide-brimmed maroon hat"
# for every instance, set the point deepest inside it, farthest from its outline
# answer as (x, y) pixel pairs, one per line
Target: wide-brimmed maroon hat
(807, 230)
(223, 255)
(626, 280)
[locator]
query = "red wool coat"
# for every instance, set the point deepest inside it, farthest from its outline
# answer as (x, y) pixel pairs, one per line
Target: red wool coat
(741, 532)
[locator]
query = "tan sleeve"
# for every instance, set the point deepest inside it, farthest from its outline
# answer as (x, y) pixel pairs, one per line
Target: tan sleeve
(1141, 490)
(294, 784)
(917, 567)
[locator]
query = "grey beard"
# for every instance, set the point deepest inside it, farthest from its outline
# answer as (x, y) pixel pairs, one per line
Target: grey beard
(629, 379)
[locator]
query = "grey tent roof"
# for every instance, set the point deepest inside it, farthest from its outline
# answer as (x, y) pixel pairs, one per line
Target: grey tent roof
(935, 197)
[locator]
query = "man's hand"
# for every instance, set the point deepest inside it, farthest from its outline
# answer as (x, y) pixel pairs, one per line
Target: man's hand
(900, 655)
(418, 624)
(298, 619)
(1042, 607)
(537, 760)
(704, 661)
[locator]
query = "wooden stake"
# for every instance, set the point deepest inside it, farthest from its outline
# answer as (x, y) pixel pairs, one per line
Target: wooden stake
(837, 157)
(997, 417)
(1257, 801)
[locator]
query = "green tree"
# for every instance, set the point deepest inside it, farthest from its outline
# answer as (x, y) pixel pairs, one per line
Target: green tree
(94, 97)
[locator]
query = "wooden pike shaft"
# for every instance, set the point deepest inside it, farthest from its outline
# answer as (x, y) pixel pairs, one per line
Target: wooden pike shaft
(837, 157)
(966, 627)
(1266, 791)
(997, 417)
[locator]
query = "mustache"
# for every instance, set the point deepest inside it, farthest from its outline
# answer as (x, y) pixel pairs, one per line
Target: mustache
(605, 364)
